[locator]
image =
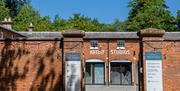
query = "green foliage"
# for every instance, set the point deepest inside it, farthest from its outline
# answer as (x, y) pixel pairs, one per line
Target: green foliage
(143, 14)
(15, 5)
(43, 24)
(114, 27)
(178, 20)
(76, 21)
(84, 23)
(27, 15)
(4, 12)
(59, 24)
(149, 13)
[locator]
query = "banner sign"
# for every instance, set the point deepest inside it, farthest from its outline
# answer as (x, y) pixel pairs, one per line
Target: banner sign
(153, 56)
(73, 56)
(73, 72)
(154, 71)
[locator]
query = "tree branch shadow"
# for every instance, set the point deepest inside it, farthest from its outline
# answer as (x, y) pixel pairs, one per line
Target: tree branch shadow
(47, 62)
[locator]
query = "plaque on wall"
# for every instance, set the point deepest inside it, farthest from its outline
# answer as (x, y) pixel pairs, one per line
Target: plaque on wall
(73, 72)
(154, 71)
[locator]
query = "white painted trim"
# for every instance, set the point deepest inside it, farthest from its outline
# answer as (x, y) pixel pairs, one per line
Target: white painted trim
(94, 60)
(121, 48)
(121, 61)
(93, 47)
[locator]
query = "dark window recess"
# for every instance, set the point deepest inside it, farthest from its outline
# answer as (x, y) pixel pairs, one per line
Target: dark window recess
(120, 74)
(94, 44)
(121, 44)
(95, 73)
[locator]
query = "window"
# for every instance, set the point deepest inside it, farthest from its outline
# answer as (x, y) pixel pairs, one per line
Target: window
(94, 44)
(94, 73)
(120, 73)
(121, 44)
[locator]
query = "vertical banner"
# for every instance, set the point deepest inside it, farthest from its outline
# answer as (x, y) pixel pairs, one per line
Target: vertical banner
(73, 72)
(154, 71)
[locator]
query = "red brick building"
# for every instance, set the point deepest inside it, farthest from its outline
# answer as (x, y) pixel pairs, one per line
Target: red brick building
(74, 60)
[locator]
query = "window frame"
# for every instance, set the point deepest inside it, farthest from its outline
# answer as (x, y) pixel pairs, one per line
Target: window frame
(119, 42)
(92, 47)
(93, 74)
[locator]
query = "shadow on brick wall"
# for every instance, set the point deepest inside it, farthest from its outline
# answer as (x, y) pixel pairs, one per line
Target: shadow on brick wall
(44, 78)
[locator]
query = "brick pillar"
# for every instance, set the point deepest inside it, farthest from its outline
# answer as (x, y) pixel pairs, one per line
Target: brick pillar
(72, 52)
(151, 44)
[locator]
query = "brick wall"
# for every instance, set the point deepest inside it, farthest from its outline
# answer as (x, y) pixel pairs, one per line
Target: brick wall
(107, 56)
(30, 66)
(153, 41)
(38, 65)
(171, 66)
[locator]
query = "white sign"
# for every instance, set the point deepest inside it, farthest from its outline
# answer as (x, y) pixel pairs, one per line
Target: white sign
(96, 51)
(125, 52)
(73, 75)
(154, 75)
(118, 52)
(73, 72)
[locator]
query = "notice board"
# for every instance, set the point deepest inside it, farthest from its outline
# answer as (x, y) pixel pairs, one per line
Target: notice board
(73, 72)
(154, 71)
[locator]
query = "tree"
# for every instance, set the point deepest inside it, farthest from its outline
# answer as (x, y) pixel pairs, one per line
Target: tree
(15, 5)
(178, 20)
(59, 24)
(43, 24)
(4, 11)
(149, 13)
(27, 15)
(83, 23)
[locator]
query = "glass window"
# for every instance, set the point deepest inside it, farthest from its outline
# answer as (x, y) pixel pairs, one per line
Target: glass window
(88, 74)
(94, 73)
(120, 73)
(94, 44)
(121, 44)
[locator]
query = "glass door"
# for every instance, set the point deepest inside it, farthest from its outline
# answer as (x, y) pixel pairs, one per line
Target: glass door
(95, 73)
(99, 73)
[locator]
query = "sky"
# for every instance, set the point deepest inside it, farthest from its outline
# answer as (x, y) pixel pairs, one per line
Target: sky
(106, 11)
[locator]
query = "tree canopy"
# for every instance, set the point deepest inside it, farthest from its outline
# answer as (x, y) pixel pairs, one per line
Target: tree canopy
(149, 13)
(4, 11)
(27, 15)
(143, 14)
(15, 5)
(178, 20)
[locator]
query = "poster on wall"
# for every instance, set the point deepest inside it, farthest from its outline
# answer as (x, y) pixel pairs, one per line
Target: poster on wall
(154, 71)
(73, 72)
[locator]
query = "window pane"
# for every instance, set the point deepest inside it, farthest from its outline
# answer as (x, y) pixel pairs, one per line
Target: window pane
(115, 74)
(120, 44)
(126, 74)
(99, 73)
(121, 73)
(94, 43)
(88, 74)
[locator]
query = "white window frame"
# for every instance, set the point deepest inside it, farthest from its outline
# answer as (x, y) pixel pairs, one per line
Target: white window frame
(91, 47)
(122, 41)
